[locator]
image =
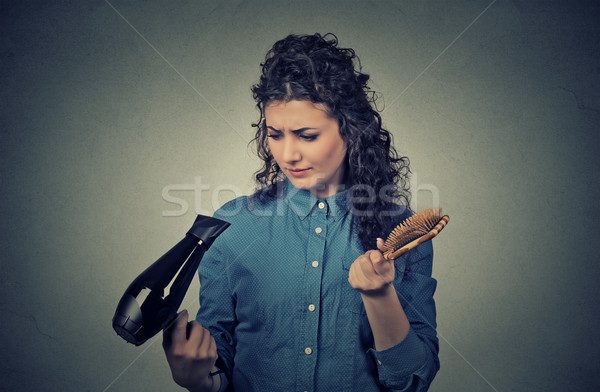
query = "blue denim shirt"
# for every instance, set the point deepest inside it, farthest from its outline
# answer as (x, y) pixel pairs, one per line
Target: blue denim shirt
(275, 296)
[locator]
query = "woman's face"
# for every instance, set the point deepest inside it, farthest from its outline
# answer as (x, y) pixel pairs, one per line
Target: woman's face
(307, 146)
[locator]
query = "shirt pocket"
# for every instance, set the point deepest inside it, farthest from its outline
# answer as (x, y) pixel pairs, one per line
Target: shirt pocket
(350, 298)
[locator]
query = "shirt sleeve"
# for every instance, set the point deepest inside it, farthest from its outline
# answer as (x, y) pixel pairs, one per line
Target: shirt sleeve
(216, 311)
(412, 364)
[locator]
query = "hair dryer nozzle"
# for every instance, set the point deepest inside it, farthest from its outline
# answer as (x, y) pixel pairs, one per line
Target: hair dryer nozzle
(207, 229)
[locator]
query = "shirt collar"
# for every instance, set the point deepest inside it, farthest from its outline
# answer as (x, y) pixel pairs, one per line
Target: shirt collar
(302, 202)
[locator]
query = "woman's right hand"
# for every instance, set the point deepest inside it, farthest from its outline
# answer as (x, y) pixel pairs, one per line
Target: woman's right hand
(191, 352)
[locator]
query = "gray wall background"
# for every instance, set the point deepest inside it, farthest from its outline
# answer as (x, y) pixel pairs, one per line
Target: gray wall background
(103, 105)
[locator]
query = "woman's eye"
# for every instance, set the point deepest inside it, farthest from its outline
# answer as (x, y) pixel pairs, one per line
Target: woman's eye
(309, 138)
(274, 136)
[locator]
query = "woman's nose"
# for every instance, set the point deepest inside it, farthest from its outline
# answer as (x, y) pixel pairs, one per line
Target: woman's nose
(291, 151)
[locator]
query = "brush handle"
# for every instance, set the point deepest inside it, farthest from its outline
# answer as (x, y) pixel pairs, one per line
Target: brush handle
(424, 238)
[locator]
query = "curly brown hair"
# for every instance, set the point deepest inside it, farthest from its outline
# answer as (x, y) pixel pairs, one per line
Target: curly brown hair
(313, 68)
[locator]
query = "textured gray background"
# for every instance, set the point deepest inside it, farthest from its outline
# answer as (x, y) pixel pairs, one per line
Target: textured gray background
(102, 108)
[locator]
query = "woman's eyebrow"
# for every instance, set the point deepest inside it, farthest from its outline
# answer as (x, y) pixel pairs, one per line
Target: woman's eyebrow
(294, 131)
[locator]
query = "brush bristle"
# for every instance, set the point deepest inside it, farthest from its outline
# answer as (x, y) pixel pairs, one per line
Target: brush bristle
(413, 228)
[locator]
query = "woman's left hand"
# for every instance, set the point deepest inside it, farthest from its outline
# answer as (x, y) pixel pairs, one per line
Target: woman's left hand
(371, 272)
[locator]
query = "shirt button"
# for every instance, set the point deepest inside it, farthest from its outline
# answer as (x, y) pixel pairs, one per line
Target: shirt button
(308, 351)
(311, 307)
(318, 230)
(379, 362)
(321, 205)
(315, 264)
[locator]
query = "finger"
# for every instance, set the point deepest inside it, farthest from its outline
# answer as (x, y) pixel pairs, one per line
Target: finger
(196, 334)
(376, 256)
(205, 349)
(199, 348)
(179, 334)
(380, 266)
(212, 348)
(378, 260)
(352, 275)
(381, 245)
(367, 269)
(367, 253)
(166, 342)
(386, 271)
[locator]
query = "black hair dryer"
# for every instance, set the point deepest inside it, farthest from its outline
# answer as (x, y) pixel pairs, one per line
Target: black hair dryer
(151, 301)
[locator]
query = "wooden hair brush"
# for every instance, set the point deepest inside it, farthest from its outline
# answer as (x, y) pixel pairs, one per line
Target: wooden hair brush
(414, 231)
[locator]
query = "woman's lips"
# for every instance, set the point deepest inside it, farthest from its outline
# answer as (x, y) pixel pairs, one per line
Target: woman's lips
(298, 172)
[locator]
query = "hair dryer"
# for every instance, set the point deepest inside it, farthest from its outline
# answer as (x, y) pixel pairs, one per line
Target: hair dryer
(151, 301)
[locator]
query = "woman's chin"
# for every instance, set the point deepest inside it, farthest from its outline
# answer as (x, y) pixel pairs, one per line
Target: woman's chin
(302, 183)
(318, 189)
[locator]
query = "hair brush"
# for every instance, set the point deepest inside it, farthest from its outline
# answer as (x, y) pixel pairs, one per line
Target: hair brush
(414, 231)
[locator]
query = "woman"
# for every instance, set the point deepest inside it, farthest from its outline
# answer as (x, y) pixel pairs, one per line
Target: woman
(293, 296)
